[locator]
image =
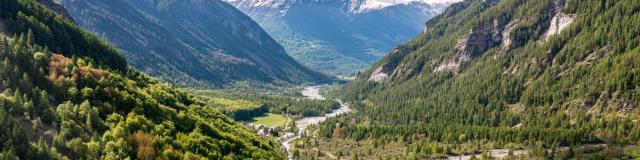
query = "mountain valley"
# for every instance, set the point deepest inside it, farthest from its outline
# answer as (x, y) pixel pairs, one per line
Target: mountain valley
(340, 36)
(432, 79)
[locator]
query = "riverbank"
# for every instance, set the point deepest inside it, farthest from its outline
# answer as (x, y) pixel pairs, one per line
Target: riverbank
(311, 92)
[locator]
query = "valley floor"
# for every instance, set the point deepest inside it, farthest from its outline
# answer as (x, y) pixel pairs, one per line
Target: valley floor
(312, 92)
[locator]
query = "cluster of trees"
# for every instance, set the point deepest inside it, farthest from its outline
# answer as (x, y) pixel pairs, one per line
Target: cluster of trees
(88, 105)
(239, 109)
(577, 87)
(249, 105)
(58, 32)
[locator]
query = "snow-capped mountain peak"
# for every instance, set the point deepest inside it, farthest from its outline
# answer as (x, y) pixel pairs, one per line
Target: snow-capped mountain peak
(368, 5)
(353, 6)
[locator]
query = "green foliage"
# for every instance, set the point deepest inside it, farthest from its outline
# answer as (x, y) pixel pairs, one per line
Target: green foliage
(54, 107)
(577, 87)
(245, 106)
(271, 120)
(130, 115)
(57, 33)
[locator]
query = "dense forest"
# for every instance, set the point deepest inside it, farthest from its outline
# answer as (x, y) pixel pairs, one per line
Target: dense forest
(59, 33)
(505, 74)
(65, 94)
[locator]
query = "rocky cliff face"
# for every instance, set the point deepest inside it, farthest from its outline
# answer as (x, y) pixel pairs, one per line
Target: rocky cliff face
(476, 42)
(341, 36)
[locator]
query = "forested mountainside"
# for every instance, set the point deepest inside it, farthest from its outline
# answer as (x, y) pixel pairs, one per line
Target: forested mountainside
(65, 94)
(341, 36)
(56, 7)
(492, 73)
(191, 42)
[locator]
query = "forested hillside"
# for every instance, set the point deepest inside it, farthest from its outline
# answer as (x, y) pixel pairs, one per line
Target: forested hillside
(61, 35)
(498, 74)
(65, 94)
(191, 42)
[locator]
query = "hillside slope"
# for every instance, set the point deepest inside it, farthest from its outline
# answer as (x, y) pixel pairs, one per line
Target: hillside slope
(191, 42)
(520, 71)
(86, 104)
(341, 36)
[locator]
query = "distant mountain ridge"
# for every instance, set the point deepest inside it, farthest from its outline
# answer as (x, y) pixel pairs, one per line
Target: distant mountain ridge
(191, 42)
(353, 6)
(340, 36)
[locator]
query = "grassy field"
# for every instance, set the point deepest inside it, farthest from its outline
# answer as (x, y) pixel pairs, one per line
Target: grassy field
(271, 120)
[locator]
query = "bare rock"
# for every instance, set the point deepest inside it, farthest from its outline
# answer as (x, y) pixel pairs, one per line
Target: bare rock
(381, 73)
(506, 35)
(560, 21)
(479, 40)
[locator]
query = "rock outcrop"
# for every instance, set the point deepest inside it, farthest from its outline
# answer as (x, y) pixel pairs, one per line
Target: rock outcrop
(506, 35)
(560, 21)
(479, 40)
(382, 73)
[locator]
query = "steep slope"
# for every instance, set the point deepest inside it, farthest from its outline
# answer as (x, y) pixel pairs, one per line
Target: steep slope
(56, 7)
(84, 105)
(522, 71)
(191, 42)
(340, 36)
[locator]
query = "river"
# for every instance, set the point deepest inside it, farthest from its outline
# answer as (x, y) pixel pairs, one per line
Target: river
(312, 92)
